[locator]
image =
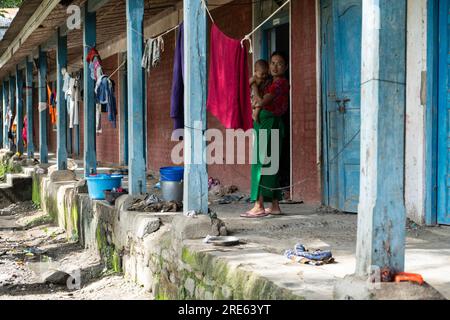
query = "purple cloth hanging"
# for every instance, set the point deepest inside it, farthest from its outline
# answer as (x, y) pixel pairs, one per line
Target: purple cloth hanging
(177, 98)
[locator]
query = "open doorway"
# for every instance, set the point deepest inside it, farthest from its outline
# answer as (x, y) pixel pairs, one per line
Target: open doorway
(275, 36)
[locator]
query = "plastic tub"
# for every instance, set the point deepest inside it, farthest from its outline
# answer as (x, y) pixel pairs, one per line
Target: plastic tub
(97, 185)
(172, 174)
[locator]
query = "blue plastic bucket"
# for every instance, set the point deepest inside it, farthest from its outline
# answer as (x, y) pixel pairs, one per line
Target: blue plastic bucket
(102, 182)
(172, 174)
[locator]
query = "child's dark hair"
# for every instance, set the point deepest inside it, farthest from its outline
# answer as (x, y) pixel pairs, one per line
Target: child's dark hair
(280, 54)
(262, 63)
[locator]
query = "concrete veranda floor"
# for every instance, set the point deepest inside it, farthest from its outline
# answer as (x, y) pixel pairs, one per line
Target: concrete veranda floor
(427, 248)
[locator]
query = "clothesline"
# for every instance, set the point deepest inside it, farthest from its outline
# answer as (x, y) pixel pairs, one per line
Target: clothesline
(118, 68)
(207, 10)
(158, 35)
(248, 36)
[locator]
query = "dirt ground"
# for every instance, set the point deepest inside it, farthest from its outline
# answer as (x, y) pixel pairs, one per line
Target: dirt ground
(31, 249)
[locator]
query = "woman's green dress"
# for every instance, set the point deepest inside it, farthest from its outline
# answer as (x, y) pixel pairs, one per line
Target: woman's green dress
(266, 185)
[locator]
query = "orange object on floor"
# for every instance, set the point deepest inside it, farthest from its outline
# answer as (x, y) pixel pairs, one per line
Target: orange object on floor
(411, 277)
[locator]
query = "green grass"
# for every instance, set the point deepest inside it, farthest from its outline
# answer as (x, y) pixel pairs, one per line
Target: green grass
(6, 168)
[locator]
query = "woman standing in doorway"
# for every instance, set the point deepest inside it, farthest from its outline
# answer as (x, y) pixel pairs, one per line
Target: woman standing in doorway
(273, 105)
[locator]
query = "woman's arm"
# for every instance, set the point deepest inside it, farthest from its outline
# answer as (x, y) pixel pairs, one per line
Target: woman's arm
(255, 89)
(265, 101)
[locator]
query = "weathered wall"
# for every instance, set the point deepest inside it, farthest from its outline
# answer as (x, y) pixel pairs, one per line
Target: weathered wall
(304, 102)
(146, 248)
(159, 123)
(415, 110)
(108, 151)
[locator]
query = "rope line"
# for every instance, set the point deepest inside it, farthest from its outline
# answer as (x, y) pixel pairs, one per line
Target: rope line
(207, 10)
(249, 35)
(307, 177)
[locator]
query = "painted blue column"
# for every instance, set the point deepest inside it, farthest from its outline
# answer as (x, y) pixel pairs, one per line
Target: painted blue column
(12, 105)
(30, 116)
(382, 214)
(61, 62)
(5, 111)
(124, 112)
(2, 113)
(89, 38)
(69, 136)
(43, 112)
(19, 108)
(195, 175)
(137, 168)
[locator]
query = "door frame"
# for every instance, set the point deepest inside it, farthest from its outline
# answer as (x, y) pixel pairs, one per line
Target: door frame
(431, 116)
(260, 51)
(323, 113)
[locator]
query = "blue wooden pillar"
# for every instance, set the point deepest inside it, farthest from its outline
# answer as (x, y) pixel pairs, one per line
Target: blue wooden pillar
(19, 109)
(43, 107)
(382, 214)
(2, 117)
(124, 112)
(12, 105)
(69, 136)
(137, 168)
(5, 112)
(195, 175)
(61, 62)
(30, 116)
(89, 39)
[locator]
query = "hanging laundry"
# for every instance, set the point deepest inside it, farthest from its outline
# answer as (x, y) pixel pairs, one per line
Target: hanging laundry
(76, 101)
(177, 97)
(152, 53)
(66, 82)
(106, 98)
(52, 108)
(98, 118)
(91, 55)
(228, 89)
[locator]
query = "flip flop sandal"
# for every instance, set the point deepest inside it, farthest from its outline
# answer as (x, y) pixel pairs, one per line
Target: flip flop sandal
(262, 214)
(274, 214)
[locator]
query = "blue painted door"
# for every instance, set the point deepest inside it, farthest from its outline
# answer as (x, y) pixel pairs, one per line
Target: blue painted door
(341, 79)
(443, 171)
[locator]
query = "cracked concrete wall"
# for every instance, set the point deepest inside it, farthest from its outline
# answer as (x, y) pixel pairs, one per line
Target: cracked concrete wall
(144, 246)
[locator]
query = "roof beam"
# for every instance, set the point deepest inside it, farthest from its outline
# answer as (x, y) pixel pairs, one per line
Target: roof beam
(94, 5)
(38, 17)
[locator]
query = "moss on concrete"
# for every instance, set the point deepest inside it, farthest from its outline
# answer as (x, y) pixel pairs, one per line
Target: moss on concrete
(243, 284)
(52, 207)
(108, 252)
(36, 190)
(75, 220)
(40, 221)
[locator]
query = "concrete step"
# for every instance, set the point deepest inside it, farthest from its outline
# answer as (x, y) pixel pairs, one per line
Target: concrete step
(18, 188)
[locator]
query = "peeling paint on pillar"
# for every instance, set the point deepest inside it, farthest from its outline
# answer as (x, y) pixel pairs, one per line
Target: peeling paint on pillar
(30, 115)
(5, 110)
(137, 167)
(43, 115)
(19, 109)
(61, 60)
(89, 38)
(195, 175)
(382, 214)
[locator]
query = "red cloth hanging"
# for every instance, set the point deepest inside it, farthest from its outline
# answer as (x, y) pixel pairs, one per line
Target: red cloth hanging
(228, 89)
(92, 54)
